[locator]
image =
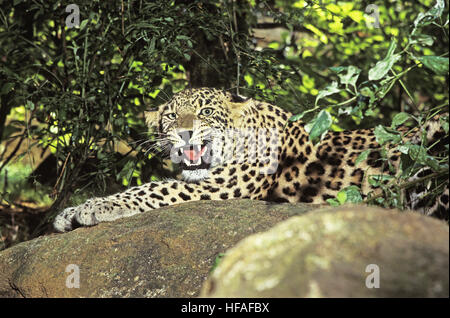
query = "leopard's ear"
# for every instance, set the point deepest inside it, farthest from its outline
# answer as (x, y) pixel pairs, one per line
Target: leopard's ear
(152, 117)
(235, 98)
(239, 104)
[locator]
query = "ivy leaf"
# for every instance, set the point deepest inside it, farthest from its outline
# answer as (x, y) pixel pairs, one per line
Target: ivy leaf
(182, 37)
(444, 123)
(338, 69)
(320, 125)
(378, 179)
(419, 154)
(6, 88)
(297, 117)
(29, 105)
(329, 90)
(333, 202)
(382, 67)
(422, 39)
(437, 64)
(399, 119)
(126, 171)
(341, 197)
(353, 194)
(437, 10)
(428, 17)
(362, 157)
(350, 77)
(383, 135)
(349, 194)
(83, 24)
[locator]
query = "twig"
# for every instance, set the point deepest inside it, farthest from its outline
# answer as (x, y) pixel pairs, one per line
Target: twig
(60, 174)
(409, 184)
(123, 24)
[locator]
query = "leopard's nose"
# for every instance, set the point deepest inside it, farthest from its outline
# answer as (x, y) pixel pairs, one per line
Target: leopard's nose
(185, 135)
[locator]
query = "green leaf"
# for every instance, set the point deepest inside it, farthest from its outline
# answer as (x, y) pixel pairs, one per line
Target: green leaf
(437, 64)
(422, 39)
(341, 197)
(419, 154)
(437, 10)
(126, 171)
(83, 24)
(350, 77)
(338, 69)
(444, 123)
(297, 116)
(329, 90)
(152, 44)
(320, 126)
(217, 261)
(349, 194)
(353, 194)
(6, 88)
(377, 180)
(362, 156)
(384, 135)
(399, 119)
(382, 67)
(29, 105)
(429, 16)
(182, 37)
(333, 202)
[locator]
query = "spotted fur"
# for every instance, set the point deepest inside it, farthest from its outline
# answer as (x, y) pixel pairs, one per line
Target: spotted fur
(291, 169)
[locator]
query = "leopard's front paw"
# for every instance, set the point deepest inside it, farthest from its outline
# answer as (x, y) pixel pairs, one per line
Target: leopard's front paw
(64, 220)
(89, 213)
(70, 218)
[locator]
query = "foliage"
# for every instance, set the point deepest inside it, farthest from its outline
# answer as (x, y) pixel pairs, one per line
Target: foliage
(81, 92)
(362, 100)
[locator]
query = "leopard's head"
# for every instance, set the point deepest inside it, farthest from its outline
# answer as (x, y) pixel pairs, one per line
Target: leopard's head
(191, 127)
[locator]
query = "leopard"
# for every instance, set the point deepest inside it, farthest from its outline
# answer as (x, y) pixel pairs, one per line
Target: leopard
(228, 146)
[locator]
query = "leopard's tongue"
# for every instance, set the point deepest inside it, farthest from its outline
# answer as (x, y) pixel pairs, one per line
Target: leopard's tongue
(193, 154)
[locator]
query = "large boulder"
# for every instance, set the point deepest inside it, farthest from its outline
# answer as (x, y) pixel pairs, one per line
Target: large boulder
(167, 252)
(327, 254)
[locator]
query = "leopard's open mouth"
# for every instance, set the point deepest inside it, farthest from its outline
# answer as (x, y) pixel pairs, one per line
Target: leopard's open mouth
(195, 156)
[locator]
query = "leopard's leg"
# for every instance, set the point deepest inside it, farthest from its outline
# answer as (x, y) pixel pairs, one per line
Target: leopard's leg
(64, 221)
(222, 185)
(440, 209)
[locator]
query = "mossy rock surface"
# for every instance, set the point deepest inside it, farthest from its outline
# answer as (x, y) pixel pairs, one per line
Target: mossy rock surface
(167, 252)
(326, 254)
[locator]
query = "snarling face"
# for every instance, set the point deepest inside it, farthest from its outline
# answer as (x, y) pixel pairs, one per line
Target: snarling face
(191, 127)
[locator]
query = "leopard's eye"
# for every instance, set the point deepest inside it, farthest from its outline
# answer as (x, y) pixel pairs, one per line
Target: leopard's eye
(206, 111)
(171, 116)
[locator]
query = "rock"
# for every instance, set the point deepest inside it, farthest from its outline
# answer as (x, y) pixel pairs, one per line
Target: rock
(325, 254)
(167, 252)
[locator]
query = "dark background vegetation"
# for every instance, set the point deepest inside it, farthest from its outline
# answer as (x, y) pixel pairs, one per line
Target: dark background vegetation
(72, 99)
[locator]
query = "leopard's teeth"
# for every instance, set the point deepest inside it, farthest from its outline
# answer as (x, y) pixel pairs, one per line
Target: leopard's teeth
(188, 163)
